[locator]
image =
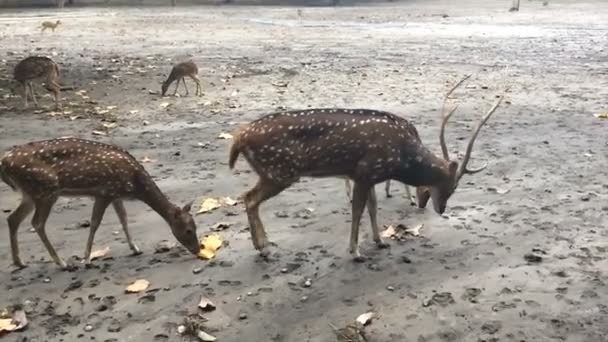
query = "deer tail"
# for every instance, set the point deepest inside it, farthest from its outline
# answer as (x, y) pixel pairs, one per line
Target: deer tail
(235, 150)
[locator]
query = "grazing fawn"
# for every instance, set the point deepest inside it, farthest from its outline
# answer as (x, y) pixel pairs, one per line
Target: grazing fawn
(49, 25)
(36, 68)
(45, 170)
(363, 145)
(179, 72)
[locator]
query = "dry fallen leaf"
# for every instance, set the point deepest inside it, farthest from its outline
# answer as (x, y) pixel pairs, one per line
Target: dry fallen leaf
(225, 136)
(389, 232)
(229, 201)
(134, 111)
(165, 104)
(203, 336)
(414, 231)
(147, 159)
(138, 286)
(209, 246)
(221, 226)
(603, 115)
(206, 305)
(366, 318)
(17, 322)
(99, 133)
(100, 253)
(208, 205)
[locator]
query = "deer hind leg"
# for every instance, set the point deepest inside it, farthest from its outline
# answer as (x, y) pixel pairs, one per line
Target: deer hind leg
(387, 188)
(262, 191)
(360, 196)
(43, 209)
(408, 193)
(348, 189)
(99, 208)
(199, 88)
(25, 93)
(185, 86)
(54, 87)
(121, 212)
(14, 220)
(372, 208)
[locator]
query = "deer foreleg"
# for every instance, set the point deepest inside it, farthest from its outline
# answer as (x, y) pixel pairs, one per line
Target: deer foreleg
(14, 220)
(121, 212)
(372, 208)
(99, 208)
(360, 195)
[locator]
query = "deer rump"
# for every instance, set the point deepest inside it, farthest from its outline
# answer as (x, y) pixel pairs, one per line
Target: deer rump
(365, 145)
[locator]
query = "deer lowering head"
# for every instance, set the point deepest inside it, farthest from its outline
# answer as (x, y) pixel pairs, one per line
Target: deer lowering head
(363, 145)
(43, 171)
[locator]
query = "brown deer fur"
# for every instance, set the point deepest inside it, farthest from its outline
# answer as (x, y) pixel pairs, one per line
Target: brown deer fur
(363, 145)
(179, 72)
(36, 68)
(43, 171)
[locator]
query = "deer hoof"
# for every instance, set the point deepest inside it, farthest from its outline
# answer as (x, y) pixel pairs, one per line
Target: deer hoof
(382, 245)
(136, 250)
(359, 259)
(265, 252)
(19, 265)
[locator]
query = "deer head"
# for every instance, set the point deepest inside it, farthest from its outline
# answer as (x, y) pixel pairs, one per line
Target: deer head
(453, 170)
(184, 229)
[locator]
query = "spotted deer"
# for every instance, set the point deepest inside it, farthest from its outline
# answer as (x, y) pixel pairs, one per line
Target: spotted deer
(43, 171)
(37, 68)
(179, 72)
(366, 146)
(49, 25)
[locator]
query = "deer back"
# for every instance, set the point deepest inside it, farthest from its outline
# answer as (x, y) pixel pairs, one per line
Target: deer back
(74, 167)
(35, 67)
(361, 144)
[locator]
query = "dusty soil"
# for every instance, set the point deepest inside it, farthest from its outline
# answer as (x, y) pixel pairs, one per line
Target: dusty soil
(464, 279)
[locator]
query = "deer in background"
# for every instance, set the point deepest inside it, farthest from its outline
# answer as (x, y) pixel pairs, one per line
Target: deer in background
(36, 68)
(43, 171)
(49, 25)
(422, 193)
(179, 72)
(366, 146)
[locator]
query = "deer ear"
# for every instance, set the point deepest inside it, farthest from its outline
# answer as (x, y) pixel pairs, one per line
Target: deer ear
(453, 167)
(187, 207)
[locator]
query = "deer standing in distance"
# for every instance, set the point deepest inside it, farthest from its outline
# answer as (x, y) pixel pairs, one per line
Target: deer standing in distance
(43, 171)
(422, 193)
(179, 72)
(37, 68)
(49, 25)
(366, 146)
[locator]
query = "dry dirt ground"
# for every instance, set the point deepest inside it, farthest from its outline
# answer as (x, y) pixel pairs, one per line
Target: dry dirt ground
(465, 279)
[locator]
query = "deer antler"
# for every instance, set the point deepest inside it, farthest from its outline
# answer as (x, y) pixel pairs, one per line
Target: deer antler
(446, 117)
(465, 160)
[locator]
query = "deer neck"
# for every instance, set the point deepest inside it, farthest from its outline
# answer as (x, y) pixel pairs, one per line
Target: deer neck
(156, 200)
(423, 169)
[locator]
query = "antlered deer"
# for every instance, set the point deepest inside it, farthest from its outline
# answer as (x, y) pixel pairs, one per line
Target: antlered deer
(363, 145)
(45, 170)
(34, 68)
(179, 72)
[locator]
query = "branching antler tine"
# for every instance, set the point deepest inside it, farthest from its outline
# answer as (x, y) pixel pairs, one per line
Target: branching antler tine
(467, 155)
(446, 117)
(444, 148)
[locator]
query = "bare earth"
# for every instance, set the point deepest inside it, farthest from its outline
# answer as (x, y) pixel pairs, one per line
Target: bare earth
(465, 279)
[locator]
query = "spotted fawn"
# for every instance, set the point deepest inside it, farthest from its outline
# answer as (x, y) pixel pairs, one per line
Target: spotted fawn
(37, 68)
(43, 171)
(179, 72)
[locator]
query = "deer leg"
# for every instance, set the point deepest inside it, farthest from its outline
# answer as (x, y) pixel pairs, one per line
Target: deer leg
(176, 86)
(14, 220)
(199, 88)
(31, 86)
(121, 212)
(372, 208)
(348, 189)
(43, 209)
(408, 193)
(99, 208)
(25, 93)
(262, 191)
(185, 86)
(360, 195)
(387, 188)
(54, 87)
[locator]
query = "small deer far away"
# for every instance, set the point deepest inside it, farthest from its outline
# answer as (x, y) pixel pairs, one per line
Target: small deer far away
(43, 171)
(365, 146)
